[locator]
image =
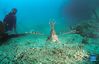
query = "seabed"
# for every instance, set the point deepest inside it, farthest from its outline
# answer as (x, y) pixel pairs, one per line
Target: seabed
(33, 49)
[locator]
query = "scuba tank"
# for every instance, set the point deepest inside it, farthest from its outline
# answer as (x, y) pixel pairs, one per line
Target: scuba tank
(2, 28)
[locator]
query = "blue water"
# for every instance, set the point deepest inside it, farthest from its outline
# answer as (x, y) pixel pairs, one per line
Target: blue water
(34, 13)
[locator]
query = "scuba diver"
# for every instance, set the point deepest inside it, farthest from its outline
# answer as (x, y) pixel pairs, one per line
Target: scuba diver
(10, 21)
(7, 26)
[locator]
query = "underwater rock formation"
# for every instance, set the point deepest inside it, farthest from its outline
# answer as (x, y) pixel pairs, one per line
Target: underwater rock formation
(88, 29)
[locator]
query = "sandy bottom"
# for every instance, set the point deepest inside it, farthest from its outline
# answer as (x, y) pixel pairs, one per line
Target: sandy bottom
(33, 49)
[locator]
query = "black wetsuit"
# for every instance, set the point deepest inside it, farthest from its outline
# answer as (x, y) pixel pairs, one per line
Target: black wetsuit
(10, 22)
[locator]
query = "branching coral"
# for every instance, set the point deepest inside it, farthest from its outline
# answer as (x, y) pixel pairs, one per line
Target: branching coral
(53, 37)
